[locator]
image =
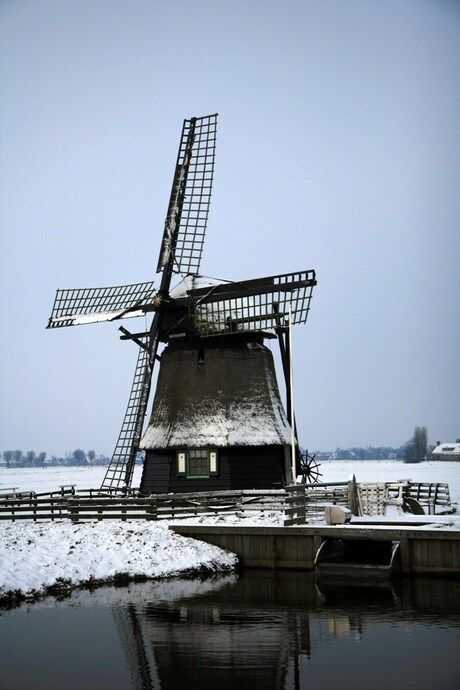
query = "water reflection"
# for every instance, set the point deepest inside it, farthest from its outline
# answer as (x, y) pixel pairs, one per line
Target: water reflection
(258, 630)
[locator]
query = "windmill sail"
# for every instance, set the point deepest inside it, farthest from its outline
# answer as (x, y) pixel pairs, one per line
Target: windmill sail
(78, 306)
(249, 305)
(187, 216)
(181, 250)
(120, 470)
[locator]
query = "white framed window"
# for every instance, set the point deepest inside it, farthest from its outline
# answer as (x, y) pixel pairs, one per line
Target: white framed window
(197, 463)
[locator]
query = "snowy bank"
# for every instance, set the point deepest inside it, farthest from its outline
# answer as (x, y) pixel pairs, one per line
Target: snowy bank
(37, 557)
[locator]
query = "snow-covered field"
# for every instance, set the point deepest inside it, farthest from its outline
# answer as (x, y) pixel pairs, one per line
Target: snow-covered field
(392, 470)
(36, 557)
(51, 479)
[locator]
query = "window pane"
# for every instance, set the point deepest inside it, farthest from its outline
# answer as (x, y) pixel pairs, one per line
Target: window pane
(198, 464)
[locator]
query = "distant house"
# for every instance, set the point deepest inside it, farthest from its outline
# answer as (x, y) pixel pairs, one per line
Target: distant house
(446, 451)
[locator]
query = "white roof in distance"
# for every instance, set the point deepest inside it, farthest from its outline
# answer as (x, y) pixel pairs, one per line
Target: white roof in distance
(447, 449)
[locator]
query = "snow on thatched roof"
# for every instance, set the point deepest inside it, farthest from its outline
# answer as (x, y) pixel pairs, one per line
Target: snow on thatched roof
(231, 399)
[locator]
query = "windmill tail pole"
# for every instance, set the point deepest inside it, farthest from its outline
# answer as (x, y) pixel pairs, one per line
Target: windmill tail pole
(292, 420)
(286, 360)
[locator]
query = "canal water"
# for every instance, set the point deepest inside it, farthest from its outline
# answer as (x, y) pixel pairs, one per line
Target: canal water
(252, 630)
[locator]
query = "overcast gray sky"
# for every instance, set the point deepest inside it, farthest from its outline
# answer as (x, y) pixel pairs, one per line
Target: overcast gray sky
(338, 149)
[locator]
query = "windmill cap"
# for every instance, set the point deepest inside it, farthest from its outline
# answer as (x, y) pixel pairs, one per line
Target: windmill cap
(193, 281)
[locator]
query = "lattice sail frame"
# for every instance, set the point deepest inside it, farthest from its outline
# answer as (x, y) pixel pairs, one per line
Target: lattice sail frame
(187, 217)
(256, 312)
(120, 470)
(77, 306)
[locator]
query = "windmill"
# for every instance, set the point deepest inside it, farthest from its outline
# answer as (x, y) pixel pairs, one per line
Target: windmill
(208, 326)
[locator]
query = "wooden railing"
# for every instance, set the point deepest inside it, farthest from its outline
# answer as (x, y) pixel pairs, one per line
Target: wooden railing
(431, 496)
(308, 500)
(299, 502)
(91, 505)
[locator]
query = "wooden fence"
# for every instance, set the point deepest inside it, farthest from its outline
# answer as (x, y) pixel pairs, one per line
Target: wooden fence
(92, 505)
(299, 502)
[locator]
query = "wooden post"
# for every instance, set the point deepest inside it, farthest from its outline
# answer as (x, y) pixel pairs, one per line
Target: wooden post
(353, 498)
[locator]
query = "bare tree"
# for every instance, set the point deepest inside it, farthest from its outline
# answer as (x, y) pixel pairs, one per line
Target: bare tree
(91, 456)
(40, 459)
(420, 442)
(17, 457)
(79, 457)
(8, 457)
(416, 449)
(30, 458)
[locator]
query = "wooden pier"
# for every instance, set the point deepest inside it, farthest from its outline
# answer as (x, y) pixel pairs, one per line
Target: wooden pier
(424, 548)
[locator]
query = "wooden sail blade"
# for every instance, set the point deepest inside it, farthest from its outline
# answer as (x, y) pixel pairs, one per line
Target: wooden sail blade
(78, 306)
(187, 217)
(250, 307)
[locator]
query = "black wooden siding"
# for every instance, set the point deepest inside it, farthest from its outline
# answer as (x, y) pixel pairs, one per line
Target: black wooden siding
(253, 467)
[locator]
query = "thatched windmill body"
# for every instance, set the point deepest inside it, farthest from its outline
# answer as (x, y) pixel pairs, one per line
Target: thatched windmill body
(217, 420)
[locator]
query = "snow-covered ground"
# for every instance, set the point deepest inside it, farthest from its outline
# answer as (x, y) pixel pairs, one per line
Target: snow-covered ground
(35, 557)
(393, 470)
(52, 478)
